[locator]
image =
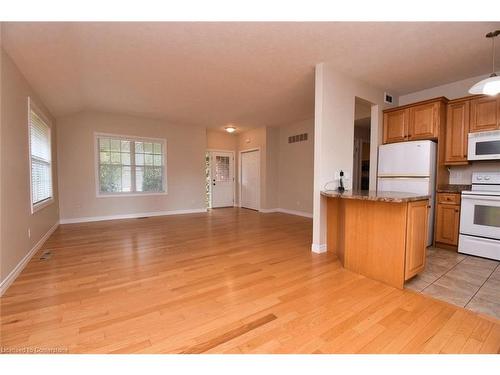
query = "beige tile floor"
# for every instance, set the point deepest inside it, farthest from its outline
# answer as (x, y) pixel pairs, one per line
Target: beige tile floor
(463, 280)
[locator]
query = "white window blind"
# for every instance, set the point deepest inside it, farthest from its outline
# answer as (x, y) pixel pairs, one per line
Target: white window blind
(41, 166)
(130, 165)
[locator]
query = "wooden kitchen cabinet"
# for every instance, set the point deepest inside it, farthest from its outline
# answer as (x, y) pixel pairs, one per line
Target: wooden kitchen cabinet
(485, 114)
(416, 238)
(376, 235)
(424, 121)
(413, 122)
(447, 219)
(457, 130)
(396, 125)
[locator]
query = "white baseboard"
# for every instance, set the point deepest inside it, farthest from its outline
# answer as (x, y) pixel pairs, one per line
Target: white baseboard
(286, 211)
(268, 210)
(318, 248)
(130, 216)
(4, 285)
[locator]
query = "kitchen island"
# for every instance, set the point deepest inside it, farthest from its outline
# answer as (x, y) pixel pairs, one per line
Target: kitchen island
(381, 235)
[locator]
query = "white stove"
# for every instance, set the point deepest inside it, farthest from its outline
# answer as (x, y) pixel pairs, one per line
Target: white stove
(480, 217)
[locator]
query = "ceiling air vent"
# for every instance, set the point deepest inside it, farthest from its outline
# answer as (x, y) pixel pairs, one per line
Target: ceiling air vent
(297, 138)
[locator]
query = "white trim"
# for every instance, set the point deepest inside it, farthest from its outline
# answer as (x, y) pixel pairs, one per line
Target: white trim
(295, 212)
(132, 138)
(11, 277)
(131, 216)
(240, 175)
(268, 210)
(38, 206)
(286, 211)
(318, 248)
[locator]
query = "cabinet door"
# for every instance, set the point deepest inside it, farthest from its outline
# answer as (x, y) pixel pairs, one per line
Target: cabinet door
(457, 130)
(396, 126)
(447, 224)
(416, 238)
(484, 114)
(424, 121)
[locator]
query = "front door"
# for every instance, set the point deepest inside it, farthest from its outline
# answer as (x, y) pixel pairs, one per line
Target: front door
(222, 179)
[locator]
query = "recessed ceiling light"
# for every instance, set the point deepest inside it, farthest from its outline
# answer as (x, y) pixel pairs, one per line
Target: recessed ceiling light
(230, 129)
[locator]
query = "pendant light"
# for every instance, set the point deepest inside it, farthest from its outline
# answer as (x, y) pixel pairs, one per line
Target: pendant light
(490, 85)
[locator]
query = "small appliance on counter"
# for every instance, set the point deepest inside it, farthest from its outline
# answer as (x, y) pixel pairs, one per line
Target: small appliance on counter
(480, 217)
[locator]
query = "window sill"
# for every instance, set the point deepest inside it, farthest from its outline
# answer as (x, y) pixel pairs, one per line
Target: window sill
(39, 206)
(115, 195)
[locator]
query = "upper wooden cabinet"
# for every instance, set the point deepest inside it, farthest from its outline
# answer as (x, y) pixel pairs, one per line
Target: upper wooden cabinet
(457, 129)
(485, 113)
(424, 121)
(414, 122)
(396, 125)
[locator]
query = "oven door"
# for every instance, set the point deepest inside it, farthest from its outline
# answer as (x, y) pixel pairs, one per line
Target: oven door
(484, 146)
(480, 215)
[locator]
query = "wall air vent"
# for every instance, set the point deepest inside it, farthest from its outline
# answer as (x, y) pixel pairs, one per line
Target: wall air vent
(388, 98)
(297, 138)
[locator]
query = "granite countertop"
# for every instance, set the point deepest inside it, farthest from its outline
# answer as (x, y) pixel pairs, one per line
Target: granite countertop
(452, 188)
(378, 196)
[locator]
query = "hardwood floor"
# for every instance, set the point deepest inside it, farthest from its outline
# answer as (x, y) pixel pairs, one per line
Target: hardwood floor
(231, 281)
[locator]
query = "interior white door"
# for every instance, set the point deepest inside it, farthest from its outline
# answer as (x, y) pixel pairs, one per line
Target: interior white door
(222, 179)
(250, 179)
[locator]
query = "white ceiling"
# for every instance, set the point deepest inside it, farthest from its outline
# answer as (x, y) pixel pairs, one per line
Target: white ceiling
(250, 74)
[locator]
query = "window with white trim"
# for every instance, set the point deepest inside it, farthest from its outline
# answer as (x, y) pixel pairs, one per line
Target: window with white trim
(40, 159)
(130, 165)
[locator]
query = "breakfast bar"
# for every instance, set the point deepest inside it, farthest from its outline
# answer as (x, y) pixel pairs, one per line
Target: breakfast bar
(381, 235)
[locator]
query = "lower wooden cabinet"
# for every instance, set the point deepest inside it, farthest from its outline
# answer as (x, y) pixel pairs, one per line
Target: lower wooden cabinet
(447, 219)
(416, 238)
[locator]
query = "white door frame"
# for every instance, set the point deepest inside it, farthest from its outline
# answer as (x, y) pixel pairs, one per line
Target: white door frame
(210, 150)
(240, 174)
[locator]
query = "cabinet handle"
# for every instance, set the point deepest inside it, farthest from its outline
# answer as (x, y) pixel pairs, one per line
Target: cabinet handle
(457, 210)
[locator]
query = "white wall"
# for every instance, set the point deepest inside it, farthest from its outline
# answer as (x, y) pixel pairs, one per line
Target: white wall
(186, 146)
(458, 174)
(335, 95)
(296, 168)
(16, 216)
(451, 90)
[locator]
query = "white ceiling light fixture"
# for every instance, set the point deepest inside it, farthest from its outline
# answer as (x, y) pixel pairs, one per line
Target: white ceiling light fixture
(230, 129)
(490, 85)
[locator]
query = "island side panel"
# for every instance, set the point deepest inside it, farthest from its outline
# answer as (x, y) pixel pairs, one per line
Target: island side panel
(335, 227)
(375, 240)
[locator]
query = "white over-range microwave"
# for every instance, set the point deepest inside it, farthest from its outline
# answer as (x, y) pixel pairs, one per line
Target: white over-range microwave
(484, 145)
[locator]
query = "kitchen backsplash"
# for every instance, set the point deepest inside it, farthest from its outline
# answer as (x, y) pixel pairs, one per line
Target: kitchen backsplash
(462, 174)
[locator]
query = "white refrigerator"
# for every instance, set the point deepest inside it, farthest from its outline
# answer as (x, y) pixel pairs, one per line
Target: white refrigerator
(409, 167)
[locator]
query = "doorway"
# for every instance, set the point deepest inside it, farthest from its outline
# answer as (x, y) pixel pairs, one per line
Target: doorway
(220, 181)
(361, 149)
(250, 179)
